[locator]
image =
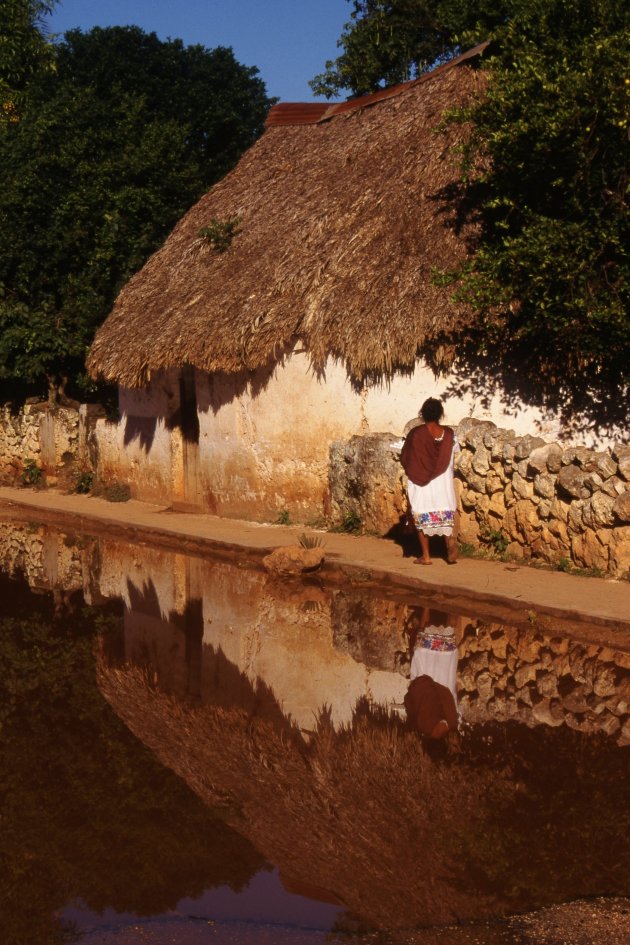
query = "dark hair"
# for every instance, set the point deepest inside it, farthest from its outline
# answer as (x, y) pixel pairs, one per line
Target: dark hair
(432, 410)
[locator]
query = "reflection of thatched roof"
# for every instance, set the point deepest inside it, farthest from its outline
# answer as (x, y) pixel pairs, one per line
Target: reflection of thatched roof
(518, 817)
(339, 235)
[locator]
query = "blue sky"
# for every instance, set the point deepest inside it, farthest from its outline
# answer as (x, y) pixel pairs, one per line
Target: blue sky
(288, 40)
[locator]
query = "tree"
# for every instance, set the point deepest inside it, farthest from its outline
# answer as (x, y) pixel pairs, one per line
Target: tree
(111, 149)
(544, 178)
(24, 50)
(547, 180)
(390, 41)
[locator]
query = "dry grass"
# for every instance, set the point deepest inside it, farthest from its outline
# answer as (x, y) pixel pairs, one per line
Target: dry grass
(340, 232)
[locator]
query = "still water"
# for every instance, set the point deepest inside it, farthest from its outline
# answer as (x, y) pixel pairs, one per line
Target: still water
(193, 751)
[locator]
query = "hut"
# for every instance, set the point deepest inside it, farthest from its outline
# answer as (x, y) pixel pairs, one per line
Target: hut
(293, 306)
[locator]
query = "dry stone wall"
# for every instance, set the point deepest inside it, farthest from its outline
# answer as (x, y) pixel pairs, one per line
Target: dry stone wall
(519, 495)
(538, 500)
(58, 441)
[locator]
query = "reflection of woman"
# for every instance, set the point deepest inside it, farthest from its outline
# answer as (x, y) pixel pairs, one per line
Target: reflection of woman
(435, 652)
(427, 458)
(431, 700)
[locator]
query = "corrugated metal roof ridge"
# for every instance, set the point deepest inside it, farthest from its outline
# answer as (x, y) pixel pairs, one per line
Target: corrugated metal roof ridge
(296, 113)
(308, 113)
(364, 101)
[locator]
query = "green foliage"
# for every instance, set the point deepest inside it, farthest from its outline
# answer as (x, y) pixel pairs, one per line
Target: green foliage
(351, 523)
(24, 52)
(31, 474)
(220, 233)
(116, 492)
(283, 517)
(109, 152)
(84, 482)
(391, 41)
(546, 180)
(496, 541)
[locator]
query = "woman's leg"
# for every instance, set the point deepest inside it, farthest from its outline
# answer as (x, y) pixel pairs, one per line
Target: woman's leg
(424, 544)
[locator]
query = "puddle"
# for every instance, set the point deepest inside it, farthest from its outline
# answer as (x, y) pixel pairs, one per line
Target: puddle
(193, 748)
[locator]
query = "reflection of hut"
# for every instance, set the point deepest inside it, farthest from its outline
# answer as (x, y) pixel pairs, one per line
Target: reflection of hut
(319, 321)
(518, 818)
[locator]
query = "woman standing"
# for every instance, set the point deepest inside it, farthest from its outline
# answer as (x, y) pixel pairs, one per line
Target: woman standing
(427, 458)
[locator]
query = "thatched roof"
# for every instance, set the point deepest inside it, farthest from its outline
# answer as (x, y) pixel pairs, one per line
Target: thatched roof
(340, 232)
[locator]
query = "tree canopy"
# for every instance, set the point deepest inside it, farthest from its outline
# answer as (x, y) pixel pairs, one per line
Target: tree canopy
(24, 50)
(391, 41)
(109, 151)
(544, 178)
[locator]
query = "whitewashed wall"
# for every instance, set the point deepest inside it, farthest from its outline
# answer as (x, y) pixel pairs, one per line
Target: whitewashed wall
(264, 438)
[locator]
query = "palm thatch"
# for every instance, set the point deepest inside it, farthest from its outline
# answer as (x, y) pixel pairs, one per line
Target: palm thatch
(340, 230)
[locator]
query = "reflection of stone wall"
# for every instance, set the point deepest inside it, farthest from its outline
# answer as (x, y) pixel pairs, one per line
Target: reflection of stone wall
(506, 673)
(540, 500)
(44, 557)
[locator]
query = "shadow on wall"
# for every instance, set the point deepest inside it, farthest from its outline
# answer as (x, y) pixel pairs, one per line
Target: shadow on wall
(198, 393)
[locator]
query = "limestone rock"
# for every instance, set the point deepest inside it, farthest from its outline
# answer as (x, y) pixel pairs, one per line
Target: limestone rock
(619, 550)
(527, 445)
(621, 453)
(576, 455)
(576, 482)
(613, 486)
(621, 507)
(522, 487)
(494, 485)
(475, 435)
(604, 683)
(548, 712)
(481, 461)
(598, 511)
(588, 551)
(603, 464)
(547, 458)
(575, 520)
(545, 486)
(470, 423)
(293, 560)
(496, 441)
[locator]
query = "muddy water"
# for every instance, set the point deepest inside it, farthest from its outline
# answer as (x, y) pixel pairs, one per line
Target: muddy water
(191, 748)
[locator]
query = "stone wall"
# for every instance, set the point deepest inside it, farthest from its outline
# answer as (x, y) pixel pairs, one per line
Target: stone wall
(537, 500)
(519, 495)
(57, 440)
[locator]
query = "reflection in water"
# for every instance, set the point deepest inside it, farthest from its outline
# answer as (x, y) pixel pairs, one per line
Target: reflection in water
(272, 701)
(87, 811)
(431, 699)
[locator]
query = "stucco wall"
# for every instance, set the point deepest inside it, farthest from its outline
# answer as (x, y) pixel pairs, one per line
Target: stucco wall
(138, 450)
(264, 437)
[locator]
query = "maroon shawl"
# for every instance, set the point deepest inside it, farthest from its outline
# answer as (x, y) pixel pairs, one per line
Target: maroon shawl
(423, 458)
(427, 703)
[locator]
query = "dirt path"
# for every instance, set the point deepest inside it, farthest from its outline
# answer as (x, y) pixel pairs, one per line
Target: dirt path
(527, 593)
